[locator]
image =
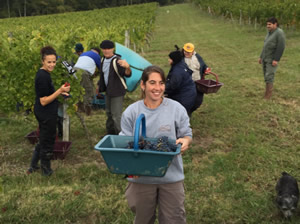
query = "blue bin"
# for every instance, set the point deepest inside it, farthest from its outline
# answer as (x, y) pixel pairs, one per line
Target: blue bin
(121, 160)
(98, 103)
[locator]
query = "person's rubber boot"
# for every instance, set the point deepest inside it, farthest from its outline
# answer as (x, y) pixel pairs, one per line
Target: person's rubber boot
(269, 89)
(46, 168)
(34, 162)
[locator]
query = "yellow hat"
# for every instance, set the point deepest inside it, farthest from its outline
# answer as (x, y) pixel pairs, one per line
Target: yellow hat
(189, 47)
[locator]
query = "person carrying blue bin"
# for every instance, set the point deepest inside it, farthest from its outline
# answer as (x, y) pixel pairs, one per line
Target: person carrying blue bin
(112, 81)
(165, 117)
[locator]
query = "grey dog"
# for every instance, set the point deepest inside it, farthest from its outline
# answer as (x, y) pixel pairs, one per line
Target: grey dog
(287, 195)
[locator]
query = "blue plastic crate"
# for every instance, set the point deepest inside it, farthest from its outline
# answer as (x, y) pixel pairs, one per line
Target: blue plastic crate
(98, 103)
(121, 160)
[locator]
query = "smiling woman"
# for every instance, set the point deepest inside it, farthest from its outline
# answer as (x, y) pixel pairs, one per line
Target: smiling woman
(45, 110)
(153, 89)
(49, 62)
(165, 117)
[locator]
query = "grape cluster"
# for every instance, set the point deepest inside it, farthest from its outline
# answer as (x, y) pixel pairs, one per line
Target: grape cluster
(161, 144)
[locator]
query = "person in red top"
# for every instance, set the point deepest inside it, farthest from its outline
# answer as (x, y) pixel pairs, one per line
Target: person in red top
(45, 111)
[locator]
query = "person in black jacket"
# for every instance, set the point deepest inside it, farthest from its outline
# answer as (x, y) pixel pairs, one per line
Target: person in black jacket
(113, 83)
(45, 111)
(180, 85)
(195, 62)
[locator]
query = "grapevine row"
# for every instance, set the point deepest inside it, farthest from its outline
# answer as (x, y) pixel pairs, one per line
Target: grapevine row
(22, 38)
(287, 11)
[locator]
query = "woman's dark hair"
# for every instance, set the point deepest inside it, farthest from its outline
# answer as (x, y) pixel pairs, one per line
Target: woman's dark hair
(48, 50)
(273, 20)
(148, 71)
(176, 56)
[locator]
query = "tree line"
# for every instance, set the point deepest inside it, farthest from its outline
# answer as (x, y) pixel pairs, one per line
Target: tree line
(23, 8)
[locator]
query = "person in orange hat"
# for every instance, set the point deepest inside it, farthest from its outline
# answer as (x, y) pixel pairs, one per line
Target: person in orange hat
(179, 83)
(199, 68)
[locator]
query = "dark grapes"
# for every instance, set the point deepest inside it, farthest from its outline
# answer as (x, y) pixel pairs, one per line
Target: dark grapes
(161, 144)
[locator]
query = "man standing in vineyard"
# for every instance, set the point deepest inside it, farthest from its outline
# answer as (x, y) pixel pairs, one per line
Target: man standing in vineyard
(272, 51)
(112, 73)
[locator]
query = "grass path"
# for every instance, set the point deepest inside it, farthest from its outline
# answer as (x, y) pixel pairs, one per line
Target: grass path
(241, 142)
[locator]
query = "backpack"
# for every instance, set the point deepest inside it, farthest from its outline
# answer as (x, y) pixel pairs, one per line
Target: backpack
(114, 63)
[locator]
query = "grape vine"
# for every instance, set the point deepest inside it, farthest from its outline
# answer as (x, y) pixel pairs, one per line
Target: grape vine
(22, 38)
(286, 11)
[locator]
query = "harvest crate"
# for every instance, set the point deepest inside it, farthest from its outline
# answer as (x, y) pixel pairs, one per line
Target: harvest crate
(98, 103)
(121, 160)
(208, 86)
(61, 149)
(32, 137)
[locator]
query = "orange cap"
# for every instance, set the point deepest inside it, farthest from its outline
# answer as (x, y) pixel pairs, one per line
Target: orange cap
(189, 47)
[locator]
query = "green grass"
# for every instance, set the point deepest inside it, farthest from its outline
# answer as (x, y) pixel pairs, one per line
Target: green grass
(241, 144)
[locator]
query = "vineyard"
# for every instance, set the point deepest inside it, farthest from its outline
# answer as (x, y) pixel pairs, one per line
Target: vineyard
(255, 11)
(241, 143)
(22, 38)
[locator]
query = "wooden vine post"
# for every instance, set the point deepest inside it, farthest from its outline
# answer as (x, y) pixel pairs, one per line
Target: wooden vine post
(127, 39)
(66, 123)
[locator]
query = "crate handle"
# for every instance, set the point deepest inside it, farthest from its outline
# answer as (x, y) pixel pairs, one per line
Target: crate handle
(137, 131)
(214, 74)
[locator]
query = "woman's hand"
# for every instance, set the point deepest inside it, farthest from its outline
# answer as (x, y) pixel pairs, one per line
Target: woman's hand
(185, 142)
(65, 94)
(64, 89)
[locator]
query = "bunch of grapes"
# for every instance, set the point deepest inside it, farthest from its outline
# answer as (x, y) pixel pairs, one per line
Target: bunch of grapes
(161, 144)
